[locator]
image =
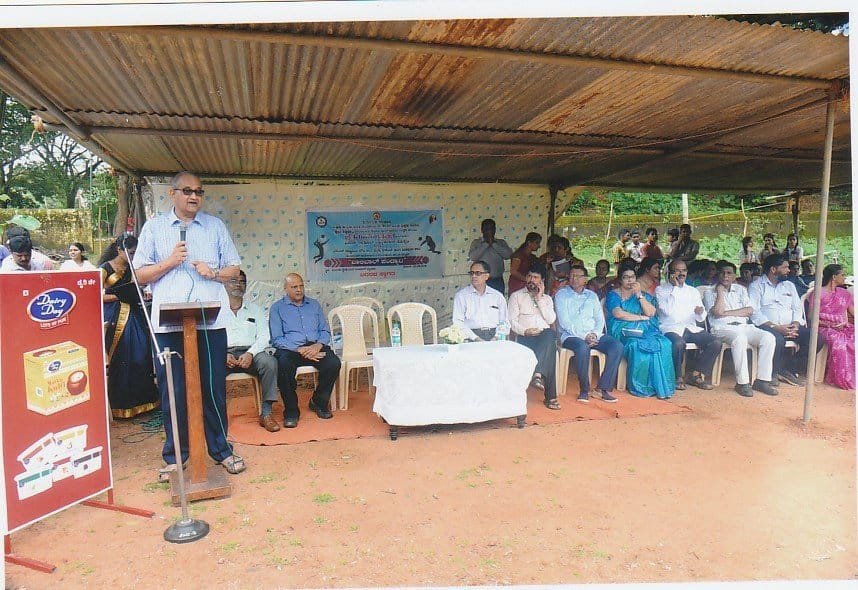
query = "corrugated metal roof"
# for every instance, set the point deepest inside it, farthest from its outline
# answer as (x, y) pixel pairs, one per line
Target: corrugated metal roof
(658, 102)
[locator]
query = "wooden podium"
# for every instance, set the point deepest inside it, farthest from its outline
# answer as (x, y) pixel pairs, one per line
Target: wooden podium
(201, 481)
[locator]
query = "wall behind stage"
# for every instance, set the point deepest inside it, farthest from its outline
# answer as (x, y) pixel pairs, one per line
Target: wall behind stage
(268, 223)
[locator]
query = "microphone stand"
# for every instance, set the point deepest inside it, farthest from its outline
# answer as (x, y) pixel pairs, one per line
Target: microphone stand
(186, 529)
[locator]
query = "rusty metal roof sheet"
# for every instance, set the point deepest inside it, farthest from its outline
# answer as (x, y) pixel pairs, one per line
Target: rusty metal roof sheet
(670, 102)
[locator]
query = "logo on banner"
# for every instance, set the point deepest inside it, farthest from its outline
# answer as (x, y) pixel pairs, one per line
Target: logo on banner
(51, 308)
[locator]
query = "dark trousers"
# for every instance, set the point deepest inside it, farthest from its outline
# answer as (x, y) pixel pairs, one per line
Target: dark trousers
(288, 362)
(709, 349)
(211, 347)
(497, 283)
(544, 346)
(797, 362)
(610, 347)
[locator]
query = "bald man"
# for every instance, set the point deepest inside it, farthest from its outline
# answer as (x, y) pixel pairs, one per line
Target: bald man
(186, 255)
(302, 337)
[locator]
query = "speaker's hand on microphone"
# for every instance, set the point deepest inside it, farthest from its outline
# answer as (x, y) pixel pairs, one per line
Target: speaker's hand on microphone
(179, 254)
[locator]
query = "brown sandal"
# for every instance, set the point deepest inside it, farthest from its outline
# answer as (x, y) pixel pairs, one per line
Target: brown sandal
(537, 383)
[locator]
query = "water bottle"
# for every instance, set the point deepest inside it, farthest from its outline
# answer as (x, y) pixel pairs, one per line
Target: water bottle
(502, 330)
(395, 335)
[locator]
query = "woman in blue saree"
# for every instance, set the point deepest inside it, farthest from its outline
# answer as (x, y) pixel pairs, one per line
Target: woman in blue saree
(130, 374)
(632, 320)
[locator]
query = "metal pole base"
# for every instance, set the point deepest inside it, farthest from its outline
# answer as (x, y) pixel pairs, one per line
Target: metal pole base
(186, 530)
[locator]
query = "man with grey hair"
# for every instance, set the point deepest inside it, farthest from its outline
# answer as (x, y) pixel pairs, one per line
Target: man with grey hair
(186, 255)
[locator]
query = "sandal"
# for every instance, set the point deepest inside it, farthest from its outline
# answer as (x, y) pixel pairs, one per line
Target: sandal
(537, 382)
(552, 404)
(164, 472)
(233, 464)
(680, 384)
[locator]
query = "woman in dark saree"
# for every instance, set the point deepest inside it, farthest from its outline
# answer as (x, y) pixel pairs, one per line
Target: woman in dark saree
(130, 374)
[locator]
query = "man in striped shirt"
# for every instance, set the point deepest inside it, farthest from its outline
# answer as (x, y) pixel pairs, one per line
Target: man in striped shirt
(186, 255)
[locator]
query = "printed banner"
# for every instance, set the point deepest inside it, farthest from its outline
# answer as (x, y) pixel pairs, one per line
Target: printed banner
(362, 245)
(53, 405)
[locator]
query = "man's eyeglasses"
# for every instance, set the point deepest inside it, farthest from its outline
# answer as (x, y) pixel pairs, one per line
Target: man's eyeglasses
(188, 191)
(476, 273)
(237, 282)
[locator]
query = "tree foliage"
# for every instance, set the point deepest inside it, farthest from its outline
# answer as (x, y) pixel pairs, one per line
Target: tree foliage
(823, 22)
(45, 169)
(659, 203)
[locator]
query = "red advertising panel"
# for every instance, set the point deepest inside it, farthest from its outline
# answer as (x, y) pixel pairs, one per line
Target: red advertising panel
(53, 405)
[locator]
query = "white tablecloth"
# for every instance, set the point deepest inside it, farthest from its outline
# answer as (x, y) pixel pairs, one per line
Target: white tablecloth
(441, 384)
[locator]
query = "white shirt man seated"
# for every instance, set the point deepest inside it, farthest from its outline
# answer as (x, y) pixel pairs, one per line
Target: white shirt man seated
(680, 308)
(729, 308)
(478, 308)
(531, 313)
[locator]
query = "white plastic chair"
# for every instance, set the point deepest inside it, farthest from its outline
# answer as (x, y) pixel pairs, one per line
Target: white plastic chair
(375, 305)
(411, 316)
(257, 386)
(565, 356)
(355, 354)
(822, 355)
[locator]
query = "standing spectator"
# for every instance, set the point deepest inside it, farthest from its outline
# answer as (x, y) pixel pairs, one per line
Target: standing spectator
(747, 254)
(522, 261)
(558, 260)
(651, 249)
(635, 248)
(193, 269)
(837, 327)
(493, 251)
(793, 252)
(769, 247)
(686, 248)
(77, 260)
(131, 387)
(618, 250)
(672, 243)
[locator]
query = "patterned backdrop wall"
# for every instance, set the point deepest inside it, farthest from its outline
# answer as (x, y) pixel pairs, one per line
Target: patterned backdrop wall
(268, 225)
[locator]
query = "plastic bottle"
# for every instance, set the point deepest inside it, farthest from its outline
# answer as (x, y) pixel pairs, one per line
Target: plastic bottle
(502, 330)
(395, 335)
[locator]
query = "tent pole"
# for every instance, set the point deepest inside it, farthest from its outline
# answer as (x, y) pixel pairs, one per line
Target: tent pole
(552, 205)
(820, 253)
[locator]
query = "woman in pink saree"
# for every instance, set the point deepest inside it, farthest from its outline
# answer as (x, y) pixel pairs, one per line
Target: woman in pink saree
(837, 326)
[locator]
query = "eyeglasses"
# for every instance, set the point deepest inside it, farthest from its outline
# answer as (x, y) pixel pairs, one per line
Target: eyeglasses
(188, 191)
(476, 273)
(237, 281)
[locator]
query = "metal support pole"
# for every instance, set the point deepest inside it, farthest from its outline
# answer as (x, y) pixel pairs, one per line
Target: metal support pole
(820, 253)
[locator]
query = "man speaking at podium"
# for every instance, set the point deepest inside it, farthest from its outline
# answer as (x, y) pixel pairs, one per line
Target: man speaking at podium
(186, 255)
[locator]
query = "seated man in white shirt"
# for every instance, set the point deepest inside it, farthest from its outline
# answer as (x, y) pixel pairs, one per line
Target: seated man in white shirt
(680, 307)
(478, 308)
(778, 309)
(729, 308)
(531, 313)
(247, 337)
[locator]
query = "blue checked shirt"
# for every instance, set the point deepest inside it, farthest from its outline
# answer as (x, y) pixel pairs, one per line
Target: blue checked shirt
(207, 240)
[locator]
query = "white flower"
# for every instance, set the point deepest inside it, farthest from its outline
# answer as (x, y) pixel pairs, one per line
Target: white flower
(452, 335)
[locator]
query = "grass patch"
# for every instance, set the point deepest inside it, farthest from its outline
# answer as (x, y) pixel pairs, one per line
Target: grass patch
(156, 485)
(323, 498)
(267, 478)
(230, 547)
(320, 520)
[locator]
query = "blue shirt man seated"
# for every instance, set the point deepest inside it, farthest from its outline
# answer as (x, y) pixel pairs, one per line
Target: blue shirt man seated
(582, 324)
(302, 337)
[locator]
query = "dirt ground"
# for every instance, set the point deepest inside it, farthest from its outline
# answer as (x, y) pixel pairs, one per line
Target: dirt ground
(737, 489)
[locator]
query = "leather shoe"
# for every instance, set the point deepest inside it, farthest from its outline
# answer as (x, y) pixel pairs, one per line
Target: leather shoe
(269, 423)
(744, 390)
(764, 387)
(323, 413)
(290, 421)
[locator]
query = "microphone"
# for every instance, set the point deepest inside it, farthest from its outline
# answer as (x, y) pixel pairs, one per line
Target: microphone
(183, 232)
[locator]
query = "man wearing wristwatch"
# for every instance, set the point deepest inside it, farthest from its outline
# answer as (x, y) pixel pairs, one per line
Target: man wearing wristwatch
(186, 255)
